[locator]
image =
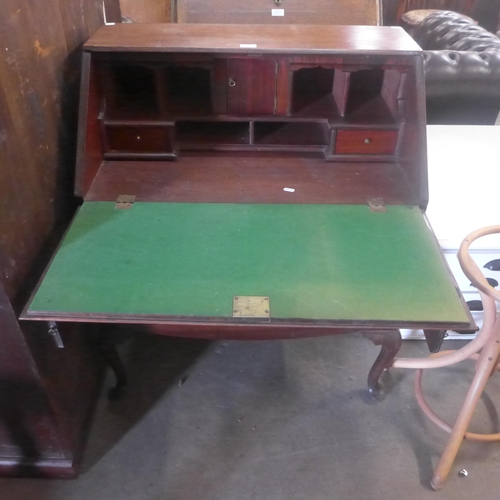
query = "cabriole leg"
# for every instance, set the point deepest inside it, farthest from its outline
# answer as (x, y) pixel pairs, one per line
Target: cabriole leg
(390, 340)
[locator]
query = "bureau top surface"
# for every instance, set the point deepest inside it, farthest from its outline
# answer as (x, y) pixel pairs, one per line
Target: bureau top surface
(241, 38)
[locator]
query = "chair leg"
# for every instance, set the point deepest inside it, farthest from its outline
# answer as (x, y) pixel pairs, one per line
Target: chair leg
(487, 363)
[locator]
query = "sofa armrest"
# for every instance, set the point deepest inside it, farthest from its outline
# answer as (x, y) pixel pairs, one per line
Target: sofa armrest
(462, 74)
(446, 30)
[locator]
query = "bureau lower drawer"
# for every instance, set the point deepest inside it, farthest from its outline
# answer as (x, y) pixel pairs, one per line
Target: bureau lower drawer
(366, 142)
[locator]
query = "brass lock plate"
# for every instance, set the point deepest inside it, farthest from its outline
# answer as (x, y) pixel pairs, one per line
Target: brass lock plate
(248, 306)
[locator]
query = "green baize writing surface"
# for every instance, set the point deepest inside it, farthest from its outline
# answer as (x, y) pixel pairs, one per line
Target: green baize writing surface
(314, 262)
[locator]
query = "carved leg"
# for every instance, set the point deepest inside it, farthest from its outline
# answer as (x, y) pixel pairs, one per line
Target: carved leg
(434, 339)
(108, 349)
(106, 342)
(390, 340)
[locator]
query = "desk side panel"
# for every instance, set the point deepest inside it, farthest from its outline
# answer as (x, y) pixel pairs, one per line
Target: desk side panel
(413, 154)
(89, 147)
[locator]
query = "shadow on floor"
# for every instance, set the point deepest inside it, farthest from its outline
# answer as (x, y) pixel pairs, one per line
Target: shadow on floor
(155, 365)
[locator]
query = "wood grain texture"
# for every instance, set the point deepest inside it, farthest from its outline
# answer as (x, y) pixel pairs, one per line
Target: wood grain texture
(251, 179)
(227, 38)
(19, 379)
(39, 78)
(146, 11)
(361, 12)
(89, 145)
(365, 142)
(42, 423)
(413, 145)
(251, 86)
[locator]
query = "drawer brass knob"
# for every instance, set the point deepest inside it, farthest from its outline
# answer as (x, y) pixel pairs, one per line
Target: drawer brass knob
(368, 141)
(138, 137)
(232, 82)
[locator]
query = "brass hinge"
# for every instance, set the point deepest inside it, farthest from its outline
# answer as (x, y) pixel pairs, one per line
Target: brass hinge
(124, 201)
(377, 205)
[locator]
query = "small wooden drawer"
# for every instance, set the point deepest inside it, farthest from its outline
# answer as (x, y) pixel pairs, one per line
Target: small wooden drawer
(366, 142)
(139, 138)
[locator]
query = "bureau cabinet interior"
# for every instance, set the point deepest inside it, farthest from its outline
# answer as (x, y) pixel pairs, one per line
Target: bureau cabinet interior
(346, 112)
(275, 103)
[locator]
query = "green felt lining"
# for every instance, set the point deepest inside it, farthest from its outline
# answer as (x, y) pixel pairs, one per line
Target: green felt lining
(315, 262)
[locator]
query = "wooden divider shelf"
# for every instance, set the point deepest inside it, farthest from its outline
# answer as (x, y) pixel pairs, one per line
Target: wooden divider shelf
(172, 103)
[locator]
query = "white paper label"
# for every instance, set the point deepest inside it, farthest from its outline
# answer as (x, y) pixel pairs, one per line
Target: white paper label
(289, 190)
(278, 12)
(248, 45)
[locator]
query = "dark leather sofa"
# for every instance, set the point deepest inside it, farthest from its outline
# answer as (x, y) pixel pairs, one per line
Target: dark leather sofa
(462, 69)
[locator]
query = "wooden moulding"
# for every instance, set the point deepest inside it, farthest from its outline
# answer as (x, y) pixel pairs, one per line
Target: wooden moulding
(227, 38)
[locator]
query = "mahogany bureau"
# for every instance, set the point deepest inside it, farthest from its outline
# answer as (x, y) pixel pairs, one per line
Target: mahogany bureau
(252, 182)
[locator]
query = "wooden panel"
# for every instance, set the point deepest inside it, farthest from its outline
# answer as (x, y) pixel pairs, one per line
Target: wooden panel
(341, 90)
(271, 38)
(29, 145)
(90, 146)
(413, 150)
(365, 142)
(251, 86)
(283, 86)
(364, 12)
(38, 149)
(139, 138)
(112, 9)
(41, 423)
(39, 79)
(146, 11)
(19, 381)
(389, 12)
(252, 179)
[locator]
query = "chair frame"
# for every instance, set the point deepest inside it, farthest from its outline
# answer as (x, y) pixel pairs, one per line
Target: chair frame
(485, 349)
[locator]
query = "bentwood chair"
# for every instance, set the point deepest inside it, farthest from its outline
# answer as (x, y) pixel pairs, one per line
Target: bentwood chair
(484, 349)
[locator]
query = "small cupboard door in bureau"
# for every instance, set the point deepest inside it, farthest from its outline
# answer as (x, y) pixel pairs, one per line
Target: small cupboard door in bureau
(251, 86)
